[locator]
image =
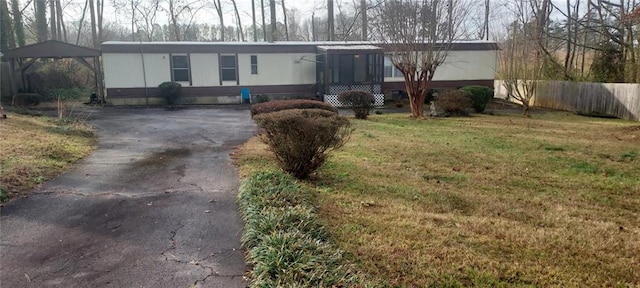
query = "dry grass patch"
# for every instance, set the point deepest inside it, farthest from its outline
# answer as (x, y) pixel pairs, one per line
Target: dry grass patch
(551, 200)
(35, 149)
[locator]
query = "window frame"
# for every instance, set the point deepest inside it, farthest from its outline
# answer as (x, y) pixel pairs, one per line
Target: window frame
(224, 68)
(187, 68)
(254, 64)
(393, 71)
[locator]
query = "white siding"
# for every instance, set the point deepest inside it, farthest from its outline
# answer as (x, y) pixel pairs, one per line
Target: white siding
(125, 70)
(464, 65)
(278, 69)
(204, 69)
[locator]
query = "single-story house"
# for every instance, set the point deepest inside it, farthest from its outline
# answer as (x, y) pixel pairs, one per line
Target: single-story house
(221, 72)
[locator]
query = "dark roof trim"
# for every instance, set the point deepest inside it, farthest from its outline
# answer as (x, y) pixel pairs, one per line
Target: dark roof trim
(156, 47)
(51, 49)
(243, 48)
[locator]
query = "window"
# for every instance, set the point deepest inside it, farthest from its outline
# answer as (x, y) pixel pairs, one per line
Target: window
(390, 70)
(228, 67)
(254, 64)
(180, 68)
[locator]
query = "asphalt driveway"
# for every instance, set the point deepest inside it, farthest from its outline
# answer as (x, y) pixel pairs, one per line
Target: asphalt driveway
(154, 206)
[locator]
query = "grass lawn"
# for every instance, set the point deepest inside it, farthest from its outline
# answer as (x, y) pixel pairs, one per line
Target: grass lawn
(36, 148)
(551, 200)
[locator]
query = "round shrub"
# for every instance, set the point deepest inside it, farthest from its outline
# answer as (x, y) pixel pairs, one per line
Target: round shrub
(454, 102)
(170, 91)
(359, 101)
(480, 96)
(279, 105)
(300, 139)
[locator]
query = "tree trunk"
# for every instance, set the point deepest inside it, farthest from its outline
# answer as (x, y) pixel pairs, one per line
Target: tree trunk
(272, 10)
(18, 24)
(61, 28)
(84, 11)
(52, 20)
(218, 7)
(313, 27)
(330, 24)
(133, 22)
(264, 23)
(253, 17)
(100, 11)
(364, 18)
(238, 21)
(6, 29)
(286, 25)
(41, 20)
(94, 34)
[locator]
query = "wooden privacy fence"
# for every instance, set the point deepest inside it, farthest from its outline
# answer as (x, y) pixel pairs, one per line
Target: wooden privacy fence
(618, 99)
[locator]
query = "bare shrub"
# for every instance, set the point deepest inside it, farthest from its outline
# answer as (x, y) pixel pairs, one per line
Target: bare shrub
(301, 138)
(359, 101)
(279, 105)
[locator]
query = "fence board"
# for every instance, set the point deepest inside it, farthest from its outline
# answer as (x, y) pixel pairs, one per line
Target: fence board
(619, 99)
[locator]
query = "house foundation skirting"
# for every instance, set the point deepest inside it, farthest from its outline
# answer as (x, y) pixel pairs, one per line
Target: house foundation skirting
(333, 100)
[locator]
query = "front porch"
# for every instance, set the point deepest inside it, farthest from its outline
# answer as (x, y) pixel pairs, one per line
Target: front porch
(343, 68)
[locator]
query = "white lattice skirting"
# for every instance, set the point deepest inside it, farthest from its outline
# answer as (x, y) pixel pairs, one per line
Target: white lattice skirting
(333, 100)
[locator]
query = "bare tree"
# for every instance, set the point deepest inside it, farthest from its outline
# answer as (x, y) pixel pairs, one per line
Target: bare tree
(330, 22)
(181, 15)
(286, 25)
(419, 37)
(94, 34)
(238, 21)
(522, 56)
(364, 18)
(272, 10)
(218, 6)
(264, 24)
(62, 29)
(253, 17)
(54, 28)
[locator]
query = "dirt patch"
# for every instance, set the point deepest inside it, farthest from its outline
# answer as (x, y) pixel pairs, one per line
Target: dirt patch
(631, 134)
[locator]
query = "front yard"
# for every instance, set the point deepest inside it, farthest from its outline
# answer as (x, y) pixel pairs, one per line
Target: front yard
(34, 149)
(486, 200)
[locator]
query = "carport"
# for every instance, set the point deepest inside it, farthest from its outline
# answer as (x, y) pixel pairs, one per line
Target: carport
(20, 59)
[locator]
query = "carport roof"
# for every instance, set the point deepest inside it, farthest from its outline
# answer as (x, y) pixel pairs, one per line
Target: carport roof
(51, 49)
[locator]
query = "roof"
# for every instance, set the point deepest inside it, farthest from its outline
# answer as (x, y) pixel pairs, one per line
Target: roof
(51, 49)
(262, 47)
(352, 47)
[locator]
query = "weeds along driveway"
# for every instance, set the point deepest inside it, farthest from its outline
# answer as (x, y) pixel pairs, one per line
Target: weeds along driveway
(154, 206)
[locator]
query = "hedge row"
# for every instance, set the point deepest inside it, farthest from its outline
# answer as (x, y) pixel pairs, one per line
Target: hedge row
(285, 243)
(279, 105)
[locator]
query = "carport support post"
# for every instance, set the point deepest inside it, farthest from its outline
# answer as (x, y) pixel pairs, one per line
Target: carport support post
(98, 72)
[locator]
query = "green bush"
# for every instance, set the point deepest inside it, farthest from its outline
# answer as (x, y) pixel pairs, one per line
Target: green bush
(279, 105)
(3, 195)
(359, 101)
(285, 242)
(261, 98)
(480, 96)
(170, 91)
(454, 102)
(27, 100)
(301, 138)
